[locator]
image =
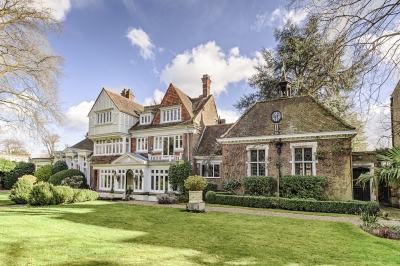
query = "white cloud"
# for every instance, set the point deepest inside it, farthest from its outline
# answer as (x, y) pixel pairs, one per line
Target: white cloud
(60, 8)
(278, 18)
(208, 59)
(229, 115)
(77, 119)
(157, 97)
(140, 39)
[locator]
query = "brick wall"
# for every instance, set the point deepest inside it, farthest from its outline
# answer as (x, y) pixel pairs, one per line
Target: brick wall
(334, 162)
(395, 115)
(133, 145)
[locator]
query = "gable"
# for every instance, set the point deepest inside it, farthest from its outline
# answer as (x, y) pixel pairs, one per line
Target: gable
(103, 102)
(174, 97)
(130, 158)
(301, 115)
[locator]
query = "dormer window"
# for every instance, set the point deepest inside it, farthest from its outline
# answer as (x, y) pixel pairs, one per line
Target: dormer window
(104, 117)
(171, 115)
(145, 119)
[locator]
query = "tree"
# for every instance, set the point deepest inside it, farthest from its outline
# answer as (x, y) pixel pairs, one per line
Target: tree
(313, 65)
(178, 173)
(370, 36)
(13, 146)
(49, 140)
(21, 169)
(29, 70)
(59, 166)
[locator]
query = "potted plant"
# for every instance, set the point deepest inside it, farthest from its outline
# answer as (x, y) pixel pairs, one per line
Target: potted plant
(195, 184)
(129, 192)
(111, 194)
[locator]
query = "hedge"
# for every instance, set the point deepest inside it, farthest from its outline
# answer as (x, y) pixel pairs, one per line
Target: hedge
(210, 187)
(60, 176)
(257, 185)
(309, 205)
(59, 166)
(47, 194)
(298, 186)
(43, 173)
(21, 169)
(20, 191)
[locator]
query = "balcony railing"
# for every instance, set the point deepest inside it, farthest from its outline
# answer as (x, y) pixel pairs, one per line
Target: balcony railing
(168, 158)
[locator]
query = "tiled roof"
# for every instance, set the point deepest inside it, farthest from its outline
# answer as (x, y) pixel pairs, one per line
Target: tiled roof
(137, 126)
(208, 143)
(302, 114)
(103, 159)
(151, 108)
(125, 105)
(186, 101)
(86, 144)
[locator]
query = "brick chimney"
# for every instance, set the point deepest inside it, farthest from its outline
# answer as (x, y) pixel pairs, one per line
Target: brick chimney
(127, 93)
(206, 85)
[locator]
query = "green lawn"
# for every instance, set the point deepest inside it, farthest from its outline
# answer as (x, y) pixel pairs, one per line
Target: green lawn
(4, 200)
(105, 233)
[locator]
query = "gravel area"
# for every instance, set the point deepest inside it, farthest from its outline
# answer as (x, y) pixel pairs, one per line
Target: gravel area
(356, 220)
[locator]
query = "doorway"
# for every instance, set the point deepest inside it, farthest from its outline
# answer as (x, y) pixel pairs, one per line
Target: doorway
(360, 193)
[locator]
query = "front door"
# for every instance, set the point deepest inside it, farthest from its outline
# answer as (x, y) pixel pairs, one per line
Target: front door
(360, 193)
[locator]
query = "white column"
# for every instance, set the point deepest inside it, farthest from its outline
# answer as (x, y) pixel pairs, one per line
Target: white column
(123, 145)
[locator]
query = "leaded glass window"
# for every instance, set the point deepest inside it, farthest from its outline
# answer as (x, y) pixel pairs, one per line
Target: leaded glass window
(303, 158)
(257, 162)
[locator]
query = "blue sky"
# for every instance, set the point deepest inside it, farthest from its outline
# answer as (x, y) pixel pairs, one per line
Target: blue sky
(145, 45)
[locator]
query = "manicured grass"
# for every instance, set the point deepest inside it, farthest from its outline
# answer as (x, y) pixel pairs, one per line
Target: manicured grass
(4, 200)
(105, 233)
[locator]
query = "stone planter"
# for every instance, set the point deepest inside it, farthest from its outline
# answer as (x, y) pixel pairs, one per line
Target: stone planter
(195, 196)
(195, 201)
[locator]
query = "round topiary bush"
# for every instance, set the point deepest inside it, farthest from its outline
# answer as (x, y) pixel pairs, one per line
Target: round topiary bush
(63, 194)
(60, 176)
(42, 194)
(59, 166)
(20, 191)
(43, 173)
(30, 178)
(195, 183)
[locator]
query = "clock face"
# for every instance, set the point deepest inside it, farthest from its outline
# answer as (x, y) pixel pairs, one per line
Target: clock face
(276, 116)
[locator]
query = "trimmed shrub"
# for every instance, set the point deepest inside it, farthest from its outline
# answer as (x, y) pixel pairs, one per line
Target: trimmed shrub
(210, 187)
(195, 183)
(30, 178)
(169, 198)
(63, 194)
(350, 207)
(60, 176)
(59, 166)
(178, 173)
(73, 181)
(42, 194)
(20, 191)
(231, 185)
(184, 197)
(257, 185)
(21, 169)
(43, 173)
(298, 186)
(82, 195)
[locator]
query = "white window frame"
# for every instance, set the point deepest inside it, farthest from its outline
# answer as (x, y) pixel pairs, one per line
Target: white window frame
(159, 181)
(108, 146)
(313, 146)
(171, 114)
(158, 143)
(249, 148)
(145, 119)
(178, 142)
(104, 117)
(213, 163)
(141, 145)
